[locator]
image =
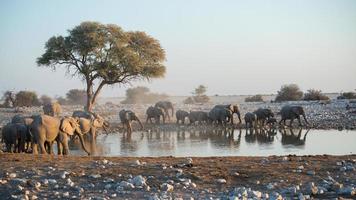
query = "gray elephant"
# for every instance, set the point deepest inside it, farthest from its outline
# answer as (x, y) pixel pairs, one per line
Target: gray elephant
(166, 105)
(90, 122)
(233, 109)
(263, 114)
(198, 116)
(52, 109)
(46, 128)
(250, 120)
(220, 115)
(155, 113)
(181, 115)
(25, 120)
(291, 113)
(126, 117)
(14, 137)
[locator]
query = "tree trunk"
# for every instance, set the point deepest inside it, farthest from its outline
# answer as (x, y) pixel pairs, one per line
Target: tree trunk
(91, 96)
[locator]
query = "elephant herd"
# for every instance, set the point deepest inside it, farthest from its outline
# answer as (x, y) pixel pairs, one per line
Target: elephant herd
(218, 115)
(39, 132)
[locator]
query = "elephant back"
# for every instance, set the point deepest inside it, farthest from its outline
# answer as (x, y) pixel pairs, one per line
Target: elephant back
(83, 114)
(18, 119)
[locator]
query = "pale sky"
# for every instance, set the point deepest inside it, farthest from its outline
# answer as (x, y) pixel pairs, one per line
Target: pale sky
(232, 47)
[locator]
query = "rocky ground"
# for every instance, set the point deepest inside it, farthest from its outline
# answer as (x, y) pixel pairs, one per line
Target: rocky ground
(24, 176)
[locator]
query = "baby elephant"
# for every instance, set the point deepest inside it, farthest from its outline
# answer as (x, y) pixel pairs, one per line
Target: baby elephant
(250, 120)
(181, 115)
(126, 117)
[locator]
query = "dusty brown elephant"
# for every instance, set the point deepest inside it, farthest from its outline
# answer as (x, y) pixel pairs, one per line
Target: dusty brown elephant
(166, 105)
(126, 117)
(90, 122)
(52, 109)
(233, 109)
(46, 128)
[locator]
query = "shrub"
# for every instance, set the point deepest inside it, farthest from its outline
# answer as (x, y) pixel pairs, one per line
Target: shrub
(349, 95)
(142, 95)
(27, 98)
(289, 92)
(314, 95)
(62, 100)
(9, 98)
(198, 96)
(45, 99)
(255, 98)
(76, 97)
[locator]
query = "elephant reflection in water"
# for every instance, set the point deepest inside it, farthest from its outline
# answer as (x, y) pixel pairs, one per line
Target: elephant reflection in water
(161, 139)
(127, 144)
(262, 136)
(224, 137)
(290, 138)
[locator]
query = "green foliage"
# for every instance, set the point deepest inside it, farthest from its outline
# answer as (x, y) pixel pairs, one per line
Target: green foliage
(26, 98)
(199, 96)
(105, 54)
(44, 99)
(142, 95)
(289, 92)
(76, 97)
(314, 95)
(255, 98)
(349, 95)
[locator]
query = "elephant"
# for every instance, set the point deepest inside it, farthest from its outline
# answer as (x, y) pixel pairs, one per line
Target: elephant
(198, 116)
(90, 122)
(126, 117)
(52, 109)
(46, 128)
(181, 115)
(25, 120)
(220, 115)
(233, 109)
(165, 105)
(14, 137)
(292, 112)
(263, 114)
(250, 120)
(156, 113)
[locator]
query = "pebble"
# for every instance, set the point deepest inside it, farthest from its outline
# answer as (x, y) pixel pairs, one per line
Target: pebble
(64, 174)
(70, 182)
(312, 189)
(137, 162)
(66, 194)
(52, 181)
(311, 172)
(167, 187)
(270, 186)
(139, 181)
(126, 185)
(95, 176)
(221, 181)
(12, 175)
(347, 191)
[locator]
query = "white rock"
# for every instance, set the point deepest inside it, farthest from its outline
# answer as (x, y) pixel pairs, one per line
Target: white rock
(34, 197)
(270, 186)
(52, 181)
(95, 176)
(66, 194)
(126, 185)
(167, 187)
(70, 182)
(64, 174)
(105, 161)
(137, 162)
(301, 167)
(221, 181)
(108, 186)
(139, 181)
(12, 175)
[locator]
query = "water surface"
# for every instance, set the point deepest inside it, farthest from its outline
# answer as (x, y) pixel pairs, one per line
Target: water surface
(224, 143)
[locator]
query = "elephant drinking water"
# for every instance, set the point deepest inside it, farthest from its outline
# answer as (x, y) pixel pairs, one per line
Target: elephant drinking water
(126, 117)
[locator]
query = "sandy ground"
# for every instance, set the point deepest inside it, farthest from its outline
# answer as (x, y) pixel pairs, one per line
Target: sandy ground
(50, 177)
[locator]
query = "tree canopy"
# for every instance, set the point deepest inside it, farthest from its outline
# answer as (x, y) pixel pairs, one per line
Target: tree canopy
(289, 92)
(105, 55)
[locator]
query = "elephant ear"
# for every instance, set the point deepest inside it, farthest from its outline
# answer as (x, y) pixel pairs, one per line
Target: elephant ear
(97, 123)
(67, 127)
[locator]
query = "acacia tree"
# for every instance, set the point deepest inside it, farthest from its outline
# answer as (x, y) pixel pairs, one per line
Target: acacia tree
(104, 55)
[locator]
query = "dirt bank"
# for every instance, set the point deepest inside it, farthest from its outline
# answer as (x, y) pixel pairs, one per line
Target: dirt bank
(274, 177)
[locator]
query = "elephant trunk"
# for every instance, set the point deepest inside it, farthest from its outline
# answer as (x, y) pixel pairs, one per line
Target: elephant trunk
(138, 120)
(82, 143)
(239, 116)
(305, 119)
(172, 111)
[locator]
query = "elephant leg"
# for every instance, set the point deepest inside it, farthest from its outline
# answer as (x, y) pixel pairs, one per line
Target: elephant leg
(177, 121)
(129, 127)
(34, 148)
(300, 123)
(43, 149)
(291, 122)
